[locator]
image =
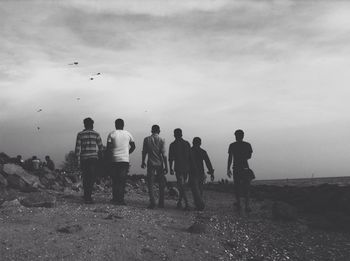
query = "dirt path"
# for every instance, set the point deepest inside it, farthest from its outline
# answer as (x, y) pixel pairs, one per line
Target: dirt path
(135, 233)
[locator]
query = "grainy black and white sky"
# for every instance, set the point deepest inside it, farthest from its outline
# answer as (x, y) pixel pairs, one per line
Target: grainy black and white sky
(277, 69)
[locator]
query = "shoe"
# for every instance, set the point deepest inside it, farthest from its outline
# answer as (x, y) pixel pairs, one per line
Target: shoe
(237, 205)
(179, 205)
(151, 206)
(186, 208)
(88, 201)
(118, 202)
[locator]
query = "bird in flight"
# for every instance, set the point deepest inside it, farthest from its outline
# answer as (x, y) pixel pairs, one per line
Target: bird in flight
(75, 63)
(39, 110)
(38, 128)
(78, 99)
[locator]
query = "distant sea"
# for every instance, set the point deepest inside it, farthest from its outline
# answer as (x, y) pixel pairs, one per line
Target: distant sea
(340, 181)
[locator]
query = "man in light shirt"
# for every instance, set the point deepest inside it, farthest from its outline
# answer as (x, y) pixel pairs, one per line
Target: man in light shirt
(120, 145)
(157, 165)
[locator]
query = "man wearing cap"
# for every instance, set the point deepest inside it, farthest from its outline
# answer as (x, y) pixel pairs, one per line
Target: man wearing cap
(88, 149)
(157, 165)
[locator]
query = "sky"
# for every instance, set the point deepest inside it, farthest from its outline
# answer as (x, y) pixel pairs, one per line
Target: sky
(279, 70)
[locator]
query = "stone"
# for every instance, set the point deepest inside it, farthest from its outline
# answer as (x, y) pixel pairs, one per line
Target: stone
(197, 228)
(174, 192)
(284, 211)
(39, 199)
(19, 178)
(3, 181)
(70, 229)
(12, 203)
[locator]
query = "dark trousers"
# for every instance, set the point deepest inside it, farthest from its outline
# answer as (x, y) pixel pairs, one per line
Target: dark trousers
(196, 184)
(119, 172)
(181, 178)
(88, 168)
(241, 186)
(155, 172)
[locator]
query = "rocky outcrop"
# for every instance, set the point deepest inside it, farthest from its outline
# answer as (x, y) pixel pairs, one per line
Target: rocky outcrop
(19, 178)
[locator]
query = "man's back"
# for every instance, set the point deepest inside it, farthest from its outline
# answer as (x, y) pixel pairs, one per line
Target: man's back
(180, 152)
(154, 146)
(241, 152)
(88, 143)
(119, 141)
(200, 156)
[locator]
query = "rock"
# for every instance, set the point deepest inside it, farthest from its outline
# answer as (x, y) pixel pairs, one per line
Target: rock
(112, 216)
(174, 192)
(197, 228)
(12, 203)
(101, 210)
(284, 211)
(39, 199)
(77, 186)
(4, 158)
(20, 179)
(69, 229)
(3, 181)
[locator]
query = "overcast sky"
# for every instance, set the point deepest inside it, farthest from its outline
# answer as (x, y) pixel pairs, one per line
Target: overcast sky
(279, 70)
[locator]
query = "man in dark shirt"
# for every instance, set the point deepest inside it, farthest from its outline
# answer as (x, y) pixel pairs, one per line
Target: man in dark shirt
(200, 156)
(180, 153)
(240, 151)
(197, 174)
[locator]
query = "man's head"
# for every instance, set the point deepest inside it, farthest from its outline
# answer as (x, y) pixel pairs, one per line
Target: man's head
(88, 123)
(34, 158)
(155, 129)
(197, 142)
(177, 133)
(239, 135)
(119, 124)
(47, 158)
(19, 157)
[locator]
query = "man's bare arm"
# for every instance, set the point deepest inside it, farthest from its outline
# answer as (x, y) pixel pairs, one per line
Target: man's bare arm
(132, 147)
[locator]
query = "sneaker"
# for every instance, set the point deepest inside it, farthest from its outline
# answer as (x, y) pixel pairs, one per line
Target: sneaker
(151, 206)
(88, 201)
(186, 208)
(237, 205)
(179, 205)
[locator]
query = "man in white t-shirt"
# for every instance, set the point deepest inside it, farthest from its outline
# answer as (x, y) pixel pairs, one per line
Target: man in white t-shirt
(120, 145)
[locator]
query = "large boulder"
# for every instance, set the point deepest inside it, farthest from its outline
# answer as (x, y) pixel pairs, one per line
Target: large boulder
(3, 181)
(4, 158)
(20, 179)
(39, 199)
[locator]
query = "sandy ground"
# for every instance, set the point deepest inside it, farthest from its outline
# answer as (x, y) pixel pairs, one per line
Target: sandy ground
(134, 232)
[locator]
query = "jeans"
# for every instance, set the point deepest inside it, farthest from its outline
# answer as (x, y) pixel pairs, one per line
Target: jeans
(196, 184)
(181, 178)
(88, 168)
(119, 172)
(152, 173)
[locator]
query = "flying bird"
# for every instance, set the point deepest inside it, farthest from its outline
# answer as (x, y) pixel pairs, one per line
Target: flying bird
(39, 110)
(38, 128)
(78, 99)
(91, 78)
(75, 63)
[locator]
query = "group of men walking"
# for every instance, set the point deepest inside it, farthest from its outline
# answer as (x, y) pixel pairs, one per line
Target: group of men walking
(185, 162)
